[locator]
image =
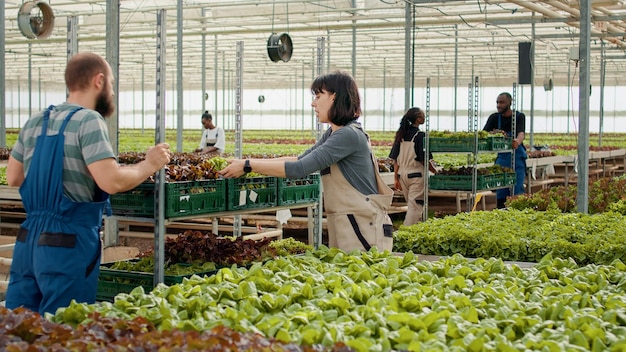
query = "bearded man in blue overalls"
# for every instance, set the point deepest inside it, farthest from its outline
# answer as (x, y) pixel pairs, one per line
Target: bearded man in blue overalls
(65, 167)
(502, 122)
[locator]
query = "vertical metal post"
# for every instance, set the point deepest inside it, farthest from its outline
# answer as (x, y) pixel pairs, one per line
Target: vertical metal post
(354, 39)
(72, 36)
(203, 63)
(364, 98)
(407, 54)
(159, 185)
(474, 127)
(303, 98)
(470, 106)
(30, 79)
(318, 210)
(111, 233)
(569, 86)
(314, 131)
(602, 82)
(426, 150)
(179, 76)
(143, 93)
(39, 87)
(513, 132)
(531, 142)
(3, 82)
(456, 70)
(224, 86)
(238, 120)
(438, 95)
(113, 57)
(215, 86)
(72, 46)
(582, 196)
(384, 91)
(19, 101)
(319, 64)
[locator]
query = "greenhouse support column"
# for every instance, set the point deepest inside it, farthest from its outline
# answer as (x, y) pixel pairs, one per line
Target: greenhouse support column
(224, 111)
(438, 95)
(72, 39)
(327, 51)
(143, 93)
(582, 198)
(532, 84)
(215, 74)
(30, 80)
(569, 87)
(426, 151)
(72, 36)
(179, 76)
(39, 88)
(384, 90)
(3, 82)
(364, 98)
(407, 54)
(456, 70)
(303, 98)
(110, 231)
(159, 137)
(602, 82)
(354, 39)
(203, 63)
(238, 120)
(318, 210)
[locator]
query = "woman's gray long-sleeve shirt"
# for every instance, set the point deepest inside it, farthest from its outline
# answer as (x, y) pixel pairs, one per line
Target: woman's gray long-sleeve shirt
(347, 147)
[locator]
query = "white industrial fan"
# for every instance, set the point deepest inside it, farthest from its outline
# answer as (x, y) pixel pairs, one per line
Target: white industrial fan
(35, 19)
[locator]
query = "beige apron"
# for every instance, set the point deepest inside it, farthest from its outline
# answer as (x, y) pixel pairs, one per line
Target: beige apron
(355, 220)
(411, 174)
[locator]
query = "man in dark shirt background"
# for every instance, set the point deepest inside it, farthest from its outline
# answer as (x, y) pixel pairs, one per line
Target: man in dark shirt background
(501, 121)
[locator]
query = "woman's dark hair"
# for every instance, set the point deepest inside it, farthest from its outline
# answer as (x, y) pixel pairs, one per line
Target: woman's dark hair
(347, 105)
(409, 118)
(207, 116)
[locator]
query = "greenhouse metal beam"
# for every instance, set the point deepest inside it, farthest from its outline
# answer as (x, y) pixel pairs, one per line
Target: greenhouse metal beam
(582, 196)
(3, 140)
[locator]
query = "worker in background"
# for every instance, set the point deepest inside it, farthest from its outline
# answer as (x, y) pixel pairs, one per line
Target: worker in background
(408, 156)
(502, 122)
(213, 140)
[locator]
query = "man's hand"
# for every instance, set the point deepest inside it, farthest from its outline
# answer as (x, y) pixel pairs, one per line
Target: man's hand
(159, 155)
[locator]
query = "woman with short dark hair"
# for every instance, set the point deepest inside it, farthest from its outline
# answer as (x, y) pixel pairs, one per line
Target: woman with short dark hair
(355, 197)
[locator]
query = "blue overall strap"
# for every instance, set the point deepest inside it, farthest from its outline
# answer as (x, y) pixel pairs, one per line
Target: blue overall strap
(46, 118)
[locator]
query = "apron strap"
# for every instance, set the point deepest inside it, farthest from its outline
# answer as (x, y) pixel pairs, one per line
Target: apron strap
(46, 118)
(68, 118)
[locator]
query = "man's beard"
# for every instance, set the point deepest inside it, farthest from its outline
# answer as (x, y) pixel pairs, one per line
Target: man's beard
(104, 105)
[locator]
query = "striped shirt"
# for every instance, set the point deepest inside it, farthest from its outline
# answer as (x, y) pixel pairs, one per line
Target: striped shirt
(86, 141)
